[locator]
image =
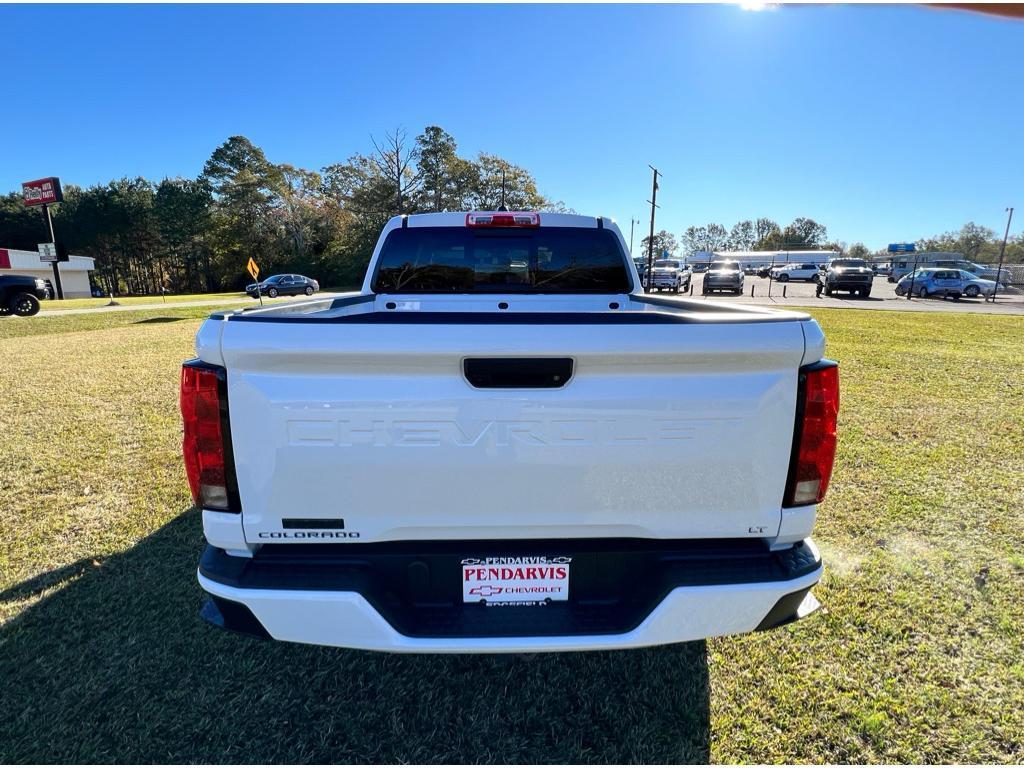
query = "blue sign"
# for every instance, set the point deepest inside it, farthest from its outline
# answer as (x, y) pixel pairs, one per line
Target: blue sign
(902, 247)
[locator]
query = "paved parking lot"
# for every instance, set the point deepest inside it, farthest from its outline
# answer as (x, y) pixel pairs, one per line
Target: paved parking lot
(883, 296)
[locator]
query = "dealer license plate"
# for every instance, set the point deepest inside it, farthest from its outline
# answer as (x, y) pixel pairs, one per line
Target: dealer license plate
(529, 580)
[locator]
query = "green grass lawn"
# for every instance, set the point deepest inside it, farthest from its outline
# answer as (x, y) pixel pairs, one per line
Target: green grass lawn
(916, 656)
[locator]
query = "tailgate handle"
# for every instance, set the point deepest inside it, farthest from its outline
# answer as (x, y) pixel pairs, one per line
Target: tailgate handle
(517, 372)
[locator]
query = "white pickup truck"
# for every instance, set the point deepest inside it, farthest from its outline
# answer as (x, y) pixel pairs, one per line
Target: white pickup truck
(502, 444)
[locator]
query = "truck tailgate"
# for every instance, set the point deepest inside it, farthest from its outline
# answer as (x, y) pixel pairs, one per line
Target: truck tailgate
(663, 431)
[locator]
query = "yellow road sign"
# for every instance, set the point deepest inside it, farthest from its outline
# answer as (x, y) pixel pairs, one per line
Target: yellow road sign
(253, 269)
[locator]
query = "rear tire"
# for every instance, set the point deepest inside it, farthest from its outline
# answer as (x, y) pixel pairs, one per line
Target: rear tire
(23, 305)
(783, 278)
(272, 293)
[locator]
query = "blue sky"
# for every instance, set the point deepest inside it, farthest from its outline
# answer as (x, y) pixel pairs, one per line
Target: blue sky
(883, 123)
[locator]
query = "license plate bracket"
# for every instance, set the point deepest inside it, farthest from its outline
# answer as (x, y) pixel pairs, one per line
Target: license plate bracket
(515, 581)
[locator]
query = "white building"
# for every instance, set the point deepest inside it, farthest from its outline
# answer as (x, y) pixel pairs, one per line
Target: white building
(74, 274)
(764, 258)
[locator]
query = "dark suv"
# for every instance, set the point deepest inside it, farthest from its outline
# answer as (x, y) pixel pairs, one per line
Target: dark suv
(20, 294)
(283, 285)
(853, 275)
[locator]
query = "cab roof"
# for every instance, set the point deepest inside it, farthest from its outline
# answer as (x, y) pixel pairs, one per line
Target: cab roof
(458, 219)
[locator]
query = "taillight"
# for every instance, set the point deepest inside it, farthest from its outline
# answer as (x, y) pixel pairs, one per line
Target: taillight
(509, 219)
(814, 439)
(207, 442)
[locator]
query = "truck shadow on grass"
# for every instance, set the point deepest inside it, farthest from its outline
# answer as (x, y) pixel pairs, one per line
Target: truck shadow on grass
(116, 666)
(157, 320)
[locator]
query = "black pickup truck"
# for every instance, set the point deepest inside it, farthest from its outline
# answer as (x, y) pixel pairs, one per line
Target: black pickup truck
(853, 275)
(20, 294)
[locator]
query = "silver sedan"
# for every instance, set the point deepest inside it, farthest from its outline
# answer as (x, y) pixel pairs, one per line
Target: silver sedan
(945, 283)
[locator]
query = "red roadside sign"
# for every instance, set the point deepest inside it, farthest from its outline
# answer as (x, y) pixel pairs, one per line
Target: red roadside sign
(42, 191)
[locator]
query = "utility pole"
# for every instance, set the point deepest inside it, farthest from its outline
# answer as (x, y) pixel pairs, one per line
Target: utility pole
(1002, 250)
(913, 276)
(56, 271)
(650, 243)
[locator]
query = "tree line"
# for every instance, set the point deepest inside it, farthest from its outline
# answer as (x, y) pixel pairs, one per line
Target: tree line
(977, 243)
(196, 235)
(748, 235)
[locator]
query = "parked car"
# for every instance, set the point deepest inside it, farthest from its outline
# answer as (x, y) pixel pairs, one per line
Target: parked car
(671, 274)
(448, 461)
(641, 266)
(946, 283)
(786, 272)
(723, 276)
(283, 285)
(20, 294)
(1004, 275)
(904, 266)
(853, 275)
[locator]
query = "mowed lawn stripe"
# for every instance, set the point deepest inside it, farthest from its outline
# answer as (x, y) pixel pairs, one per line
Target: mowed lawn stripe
(915, 657)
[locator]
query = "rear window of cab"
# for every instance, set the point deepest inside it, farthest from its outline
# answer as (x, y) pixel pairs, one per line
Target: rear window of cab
(499, 260)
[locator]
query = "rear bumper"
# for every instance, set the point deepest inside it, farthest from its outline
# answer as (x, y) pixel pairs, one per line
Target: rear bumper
(624, 594)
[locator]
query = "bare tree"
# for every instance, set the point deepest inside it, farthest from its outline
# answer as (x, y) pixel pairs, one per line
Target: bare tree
(395, 159)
